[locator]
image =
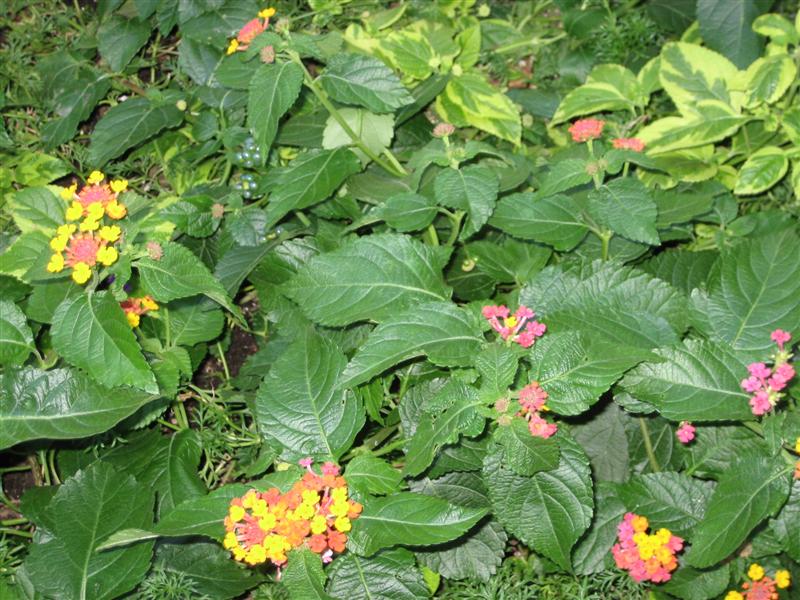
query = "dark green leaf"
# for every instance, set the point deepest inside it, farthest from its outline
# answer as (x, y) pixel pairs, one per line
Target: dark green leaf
(119, 39)
(473, 190)
(273, 90)
(554, 220)
(16, 337)
(727, 27)
(364, 81)
(626, 207)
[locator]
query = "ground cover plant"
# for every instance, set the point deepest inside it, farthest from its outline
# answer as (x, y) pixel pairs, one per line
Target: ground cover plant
(360, 299)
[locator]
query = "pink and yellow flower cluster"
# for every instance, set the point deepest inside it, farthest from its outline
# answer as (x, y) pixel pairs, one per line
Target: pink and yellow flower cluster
(532, 400)
(134, 308)
(646, 557)
(765, 383)
(250, 31)
(316, 512)
(586, 130)
(87, 239)
(761, 586)
(519, 328)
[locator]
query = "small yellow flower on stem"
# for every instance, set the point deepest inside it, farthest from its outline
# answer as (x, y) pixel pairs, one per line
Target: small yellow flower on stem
(110, 233)
(56, 264)
(115, 210)
(89, 224)
(734, 595)
(133, 319)
(74, 212)
(755, 572)
(59, 243)
(797, 446)
(232, 47)
(119, 185)
(68, 193)
(81, 273)
(266, 13)
(107, 255)
(783, 579)
(95, 177)
(95, 211)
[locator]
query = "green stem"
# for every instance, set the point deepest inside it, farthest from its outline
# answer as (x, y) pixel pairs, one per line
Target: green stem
(456, 229)
(434, 237)
(648, 445)
(224, 362)
(18, 532)
(393, 166)
(605, 238)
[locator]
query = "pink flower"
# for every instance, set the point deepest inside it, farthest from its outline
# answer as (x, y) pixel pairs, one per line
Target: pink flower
(329, 468)
(586, 129)
(780, 337)
(784, 372)
(751, 384)
(306, 462)
(541, 428)
(634, 144)
(517, 328)
(760, 403)
(685, 432)
(532, 397)
(523, 312)
(759, 369)
(491, 312)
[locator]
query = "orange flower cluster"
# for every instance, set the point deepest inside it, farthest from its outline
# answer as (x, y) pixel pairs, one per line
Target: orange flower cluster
(134, 308)
(250, 31)
(315, 513)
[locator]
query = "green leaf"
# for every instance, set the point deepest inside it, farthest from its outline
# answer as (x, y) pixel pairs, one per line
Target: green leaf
(410, 519)
(376, 131)
(575, 374)
(16, 337)
(754, 488)
(130, 123)
(693, 584)
(753, 292)
(777, 27)
(671, 500)
(85, 510)
(273, 90)
(524, 453)
(372, 277)
(608, 88)
(497, 365)
(696, 381)
(371, 475)
(554, 220)
(564, 175)
(470, 100)
(407, 211)
(119, 39)
(606, 430)
(390, 574)
(510, 261)
(445, 334)
(712, 121)
(193, 320)
(364, 81)
(690, 74)
(303, 576)
(299, 408)
(92, 333)
(548, 511)
(683, 270)
(58, 405)
(37, 209)
(727, 27)
(472, 189)
(712, 453)
(761, 171)
(626, 207)
(787, 524)
(180, 274)
(310, 179)
(767, 79)
(594, 549)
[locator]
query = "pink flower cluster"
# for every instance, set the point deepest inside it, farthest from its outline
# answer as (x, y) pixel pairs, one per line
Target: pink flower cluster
(585, 130)
(685, 432)
(519, 327)
(532, 398)
(646, 557)
(764, 383)
(634, 144)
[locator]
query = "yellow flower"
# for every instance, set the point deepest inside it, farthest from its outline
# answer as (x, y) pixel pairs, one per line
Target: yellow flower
(115, 210)
(664, 555)
(663, 535)
(150, 304)
(232, 47)
(797, 446)
(342, 524)
(266, 13)
(89, 224)
(783, 578)
(304, 511)
(66, 230)
(56, 264)
(133, 321)
(68, 193)
(107, 255)
(640, 523)
(95, 177)
(339, 494)
(310, 497)
(110, 233)
(81, 273)
(732, 595)
(319, 524)
(239, 553)
(755, 572)
(59, 243)
(339, 509)
(510, 322)
(74, 212)
(236, 513)
(95, 211)
(256, 555)
(260, 508)
(230, 542)
(268, 522)
(119, 185)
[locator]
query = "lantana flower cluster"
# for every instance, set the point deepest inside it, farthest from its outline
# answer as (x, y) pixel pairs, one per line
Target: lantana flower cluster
(317, 513)
(761, 586)
(250, 31)
(646, 557)
(586, 130)
(685, 432)
(532, 400)
(765, 383)
(134, 308)
(87, 239)
(520, 328)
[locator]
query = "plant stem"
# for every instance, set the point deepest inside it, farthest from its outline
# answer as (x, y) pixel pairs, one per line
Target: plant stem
(393, 166)
(456, 221)
(605, 238)
(648, 445)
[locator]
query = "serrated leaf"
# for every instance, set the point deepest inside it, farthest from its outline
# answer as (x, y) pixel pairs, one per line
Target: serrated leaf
(671, 500)
(59, 404)
(472, 189)
(445, 334)
(407, 212)
(119, 39)
(761, 171)
(727, 27)
(554, 220)
(310, 179)
(694, 584)
(390, 574)
(376, 131)
(696, 381)
(84, 511)
(564, 175)
(273, 89)
(16, 337)
(130, 123)
(364, 81)
(605, 443)
(37, 209)
(193, 320)
(371, 475)
(371, 278)
(92, 333)
(754, 488)
(299, 408)
(594, 549)
(497, 366)
(410, 519)
(626, 207)
(548, 511)
(787, 524)
(303, 576)
(524, 453)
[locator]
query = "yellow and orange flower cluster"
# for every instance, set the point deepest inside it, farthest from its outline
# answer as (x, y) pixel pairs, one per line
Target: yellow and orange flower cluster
(315, 513)
(646, 557)
(86, 240)
(134, 308)
(250, 31)
(761, 586)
